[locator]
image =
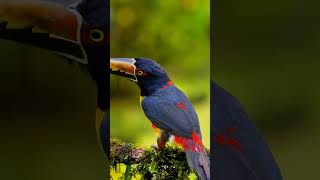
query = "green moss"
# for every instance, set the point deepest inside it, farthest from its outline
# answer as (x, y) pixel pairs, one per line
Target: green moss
(150, 163)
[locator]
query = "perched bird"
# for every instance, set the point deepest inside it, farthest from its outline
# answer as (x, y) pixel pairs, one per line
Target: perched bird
(167, 107)
(79, 32)
(239, 151)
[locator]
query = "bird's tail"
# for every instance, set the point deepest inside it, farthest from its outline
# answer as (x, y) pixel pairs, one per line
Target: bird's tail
(199, 161)
(196, 155)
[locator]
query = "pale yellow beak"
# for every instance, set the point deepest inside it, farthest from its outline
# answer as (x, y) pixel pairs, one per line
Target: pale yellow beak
(124, 67)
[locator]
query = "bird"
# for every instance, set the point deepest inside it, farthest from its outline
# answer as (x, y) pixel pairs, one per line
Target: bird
(168, 109)
(239, 150)
(79, 32)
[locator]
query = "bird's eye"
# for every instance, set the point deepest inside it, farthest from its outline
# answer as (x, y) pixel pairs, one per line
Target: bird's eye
(96, 35)
(140, 73)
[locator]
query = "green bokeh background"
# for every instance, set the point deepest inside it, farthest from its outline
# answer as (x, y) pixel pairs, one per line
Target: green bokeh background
(266, 53)
(177, 35)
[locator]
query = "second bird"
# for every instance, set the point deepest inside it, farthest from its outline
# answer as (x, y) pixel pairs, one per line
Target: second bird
(167, 107)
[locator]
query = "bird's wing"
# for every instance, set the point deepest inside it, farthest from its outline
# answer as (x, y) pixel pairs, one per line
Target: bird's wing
(252, 159)
(166, 115)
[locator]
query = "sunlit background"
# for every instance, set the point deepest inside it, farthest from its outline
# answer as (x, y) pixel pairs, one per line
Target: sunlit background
(177, 35)
(266, 53)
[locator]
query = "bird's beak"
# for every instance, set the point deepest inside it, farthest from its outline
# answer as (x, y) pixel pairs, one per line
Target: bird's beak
(124, 67)
(45, 25)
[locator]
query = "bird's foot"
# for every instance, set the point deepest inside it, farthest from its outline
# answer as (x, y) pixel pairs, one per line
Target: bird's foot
(161, 144)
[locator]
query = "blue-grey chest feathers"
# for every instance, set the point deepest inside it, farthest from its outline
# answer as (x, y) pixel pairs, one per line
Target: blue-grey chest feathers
(170, 110)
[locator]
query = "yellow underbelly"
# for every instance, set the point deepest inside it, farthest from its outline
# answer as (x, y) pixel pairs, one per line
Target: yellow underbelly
(141, 98)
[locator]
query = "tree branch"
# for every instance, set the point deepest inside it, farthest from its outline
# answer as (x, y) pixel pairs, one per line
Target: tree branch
(150, 162)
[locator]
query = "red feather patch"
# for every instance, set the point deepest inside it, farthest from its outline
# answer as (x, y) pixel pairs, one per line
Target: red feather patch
(181, 105)
(156, 129)
(183, 142)
(196, 139)
(170, 83)
(226, 139)
(194, 144)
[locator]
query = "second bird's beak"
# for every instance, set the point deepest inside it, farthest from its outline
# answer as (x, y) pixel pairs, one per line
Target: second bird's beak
(124, 67)
(45, 25)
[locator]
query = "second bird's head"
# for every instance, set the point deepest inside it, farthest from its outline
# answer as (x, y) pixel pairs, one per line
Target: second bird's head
(148, 74)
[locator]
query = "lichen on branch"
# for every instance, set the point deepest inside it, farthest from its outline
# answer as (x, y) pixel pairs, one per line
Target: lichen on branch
(150, 163)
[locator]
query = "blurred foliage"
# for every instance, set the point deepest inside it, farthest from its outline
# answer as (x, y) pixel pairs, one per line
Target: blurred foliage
(149, 163)
(176, 35)
(266, 53)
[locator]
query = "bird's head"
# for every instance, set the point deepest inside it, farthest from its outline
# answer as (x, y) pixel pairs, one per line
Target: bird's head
(148, 74)
(79, 32)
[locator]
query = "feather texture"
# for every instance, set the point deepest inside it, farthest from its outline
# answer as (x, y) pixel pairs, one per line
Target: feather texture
(161, 109)
(95, 12)
(238, 146)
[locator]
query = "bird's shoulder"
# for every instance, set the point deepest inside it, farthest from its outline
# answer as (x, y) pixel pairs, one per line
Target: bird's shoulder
(169, 97)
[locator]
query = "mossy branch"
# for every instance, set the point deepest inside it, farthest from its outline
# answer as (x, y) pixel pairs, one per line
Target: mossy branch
(150, 163)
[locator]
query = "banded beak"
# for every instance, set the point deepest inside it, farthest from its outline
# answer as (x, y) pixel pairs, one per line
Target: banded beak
(45, 25)
(124, 67)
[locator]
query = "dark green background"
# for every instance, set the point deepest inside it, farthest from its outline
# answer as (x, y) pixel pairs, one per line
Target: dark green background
(47, 118)
(266, 53)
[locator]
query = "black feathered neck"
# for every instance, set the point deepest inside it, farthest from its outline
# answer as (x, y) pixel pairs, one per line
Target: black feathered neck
(95, 12)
